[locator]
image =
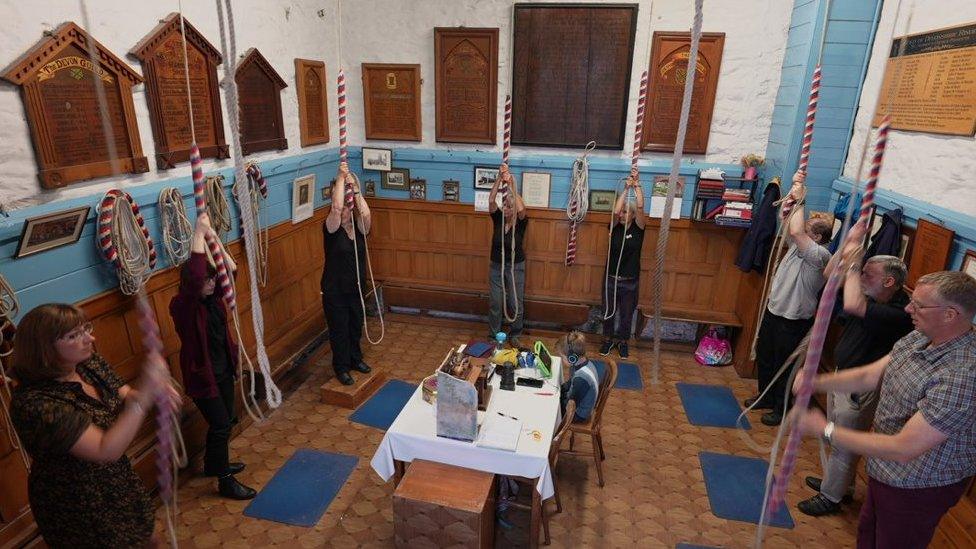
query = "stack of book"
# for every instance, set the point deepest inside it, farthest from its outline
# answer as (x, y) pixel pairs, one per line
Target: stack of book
(735, 214)
(710, 188)
(736, 195)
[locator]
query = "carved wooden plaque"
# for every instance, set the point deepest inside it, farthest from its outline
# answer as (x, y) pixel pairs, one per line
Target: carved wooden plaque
(466, 62)
(572, 74)
(259, 95)
(161, 55)
(391, 94)
(313, 106)
(666, 87)
(929, 83)
(930, 250)
(57, 81)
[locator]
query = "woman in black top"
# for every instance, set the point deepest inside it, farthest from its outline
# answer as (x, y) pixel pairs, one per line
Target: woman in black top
(340, 290)
(76, 417)
(622, 302)
(512, 281)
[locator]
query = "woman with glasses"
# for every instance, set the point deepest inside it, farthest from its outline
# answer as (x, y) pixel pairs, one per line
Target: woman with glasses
(76, 417)
(208, 360)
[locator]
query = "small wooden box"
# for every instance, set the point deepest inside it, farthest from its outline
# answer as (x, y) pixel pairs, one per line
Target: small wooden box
(438, 505)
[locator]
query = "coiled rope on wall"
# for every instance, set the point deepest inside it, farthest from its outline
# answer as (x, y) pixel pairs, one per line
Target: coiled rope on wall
(578, 203)
(124, 240)
(9, 309)
(256, 190)
(177, 230)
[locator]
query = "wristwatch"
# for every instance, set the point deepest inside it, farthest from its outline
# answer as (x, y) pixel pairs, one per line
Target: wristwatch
(828, 432)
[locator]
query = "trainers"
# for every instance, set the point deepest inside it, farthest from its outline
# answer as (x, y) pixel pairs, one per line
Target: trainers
(623, 349)
(606, 347)
(815, 482)
(818, 506)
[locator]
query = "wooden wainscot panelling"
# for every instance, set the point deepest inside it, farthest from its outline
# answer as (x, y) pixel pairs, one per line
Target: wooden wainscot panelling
(293, 316)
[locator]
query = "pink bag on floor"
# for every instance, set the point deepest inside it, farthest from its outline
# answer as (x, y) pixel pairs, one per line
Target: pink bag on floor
(714, 349)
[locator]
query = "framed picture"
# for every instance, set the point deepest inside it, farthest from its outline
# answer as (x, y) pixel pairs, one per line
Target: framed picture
(380, 160)
(418, 189)
(49, 231)
(301, 198)
(397, 179)
(535, 189)
(484, 177)
(602, 201)
(452, 191)
(327, 192)
(969, 263)
(369, 188)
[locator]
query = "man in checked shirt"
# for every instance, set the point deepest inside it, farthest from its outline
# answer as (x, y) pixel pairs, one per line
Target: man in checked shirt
(922, 451)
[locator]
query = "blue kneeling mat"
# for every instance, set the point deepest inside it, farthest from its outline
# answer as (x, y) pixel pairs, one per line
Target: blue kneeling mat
(710, 405)
(383, 407)
(628, 375)
(301, 491)
(735, 486)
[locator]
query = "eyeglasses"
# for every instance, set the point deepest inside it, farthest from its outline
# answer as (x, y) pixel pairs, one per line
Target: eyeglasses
(915, 305)
(72, 336)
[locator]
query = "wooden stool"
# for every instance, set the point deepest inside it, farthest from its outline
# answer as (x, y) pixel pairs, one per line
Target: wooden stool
(351, 396)
(437, 505)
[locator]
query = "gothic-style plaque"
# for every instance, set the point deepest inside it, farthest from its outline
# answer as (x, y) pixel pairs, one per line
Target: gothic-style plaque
(466, 62)
(161, 55)
(392, 97)
(572, 74)
(667, 73)
(259, 95)
(313, 106)
(930, 250)
(57, 80)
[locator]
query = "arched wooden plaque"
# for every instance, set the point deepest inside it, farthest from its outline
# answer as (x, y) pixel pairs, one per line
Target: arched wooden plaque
(313, 104)
(259, 95)
(466, 68)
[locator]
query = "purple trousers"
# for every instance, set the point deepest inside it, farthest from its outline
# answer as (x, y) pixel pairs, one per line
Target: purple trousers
(904, 518)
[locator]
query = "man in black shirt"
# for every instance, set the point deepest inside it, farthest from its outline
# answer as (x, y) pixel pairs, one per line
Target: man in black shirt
(622, 280)
(874, 318)
(511, 283)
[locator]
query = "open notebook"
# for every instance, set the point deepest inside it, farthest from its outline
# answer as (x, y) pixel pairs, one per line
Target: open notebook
(499, 432)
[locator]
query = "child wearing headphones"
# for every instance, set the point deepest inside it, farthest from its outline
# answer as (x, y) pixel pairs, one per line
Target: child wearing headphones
(583, 386)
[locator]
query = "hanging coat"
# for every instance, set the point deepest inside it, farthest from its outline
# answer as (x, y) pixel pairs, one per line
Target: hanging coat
(840, 212)
(759, 239)
(887, 241)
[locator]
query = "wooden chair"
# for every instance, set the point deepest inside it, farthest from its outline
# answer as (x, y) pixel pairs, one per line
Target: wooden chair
(591, 427)
(529, 483)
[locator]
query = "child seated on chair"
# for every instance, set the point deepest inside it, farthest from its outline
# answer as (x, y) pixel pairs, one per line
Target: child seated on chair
(583, 386)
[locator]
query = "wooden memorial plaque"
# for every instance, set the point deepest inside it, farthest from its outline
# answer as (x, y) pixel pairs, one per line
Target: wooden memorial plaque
(466, 68)
(259, 95)
(572, 74)
(56, 80)
(929, 82)
(666, 87)
(161, 55)
(392, 97)
(313, 105)
(930, 250)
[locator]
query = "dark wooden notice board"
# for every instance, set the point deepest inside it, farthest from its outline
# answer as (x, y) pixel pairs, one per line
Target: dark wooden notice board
(313, 105)
(161, 55)
(667, 72)
(571, 76)
(930, 250)
(259, 95)
(57, 80)
(466, 75)
(391, 94)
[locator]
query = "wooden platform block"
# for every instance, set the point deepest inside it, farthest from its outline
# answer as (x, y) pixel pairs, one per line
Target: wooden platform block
(351, 396)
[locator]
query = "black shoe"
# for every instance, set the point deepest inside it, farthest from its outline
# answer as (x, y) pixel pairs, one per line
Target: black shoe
(233, 468)
(761, 406)
(818, 506)
(771, 419)
(228, 487)
(606, 347)
(345, 379)
(623, 349)
(362, 367)
(814, 483)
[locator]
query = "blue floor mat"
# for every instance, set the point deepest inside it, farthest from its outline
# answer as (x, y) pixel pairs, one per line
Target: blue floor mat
(710, 405)
(383, 407)
(301, 491)
(628, 375)
(735, 487)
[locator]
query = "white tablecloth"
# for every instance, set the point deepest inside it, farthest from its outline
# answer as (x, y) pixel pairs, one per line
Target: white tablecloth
(413, 435)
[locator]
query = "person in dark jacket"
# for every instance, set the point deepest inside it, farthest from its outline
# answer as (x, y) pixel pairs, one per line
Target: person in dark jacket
(208, 360)
(759, 238)
(622, 279)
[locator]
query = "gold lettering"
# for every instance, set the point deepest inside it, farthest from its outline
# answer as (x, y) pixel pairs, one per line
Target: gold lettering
(51, 69)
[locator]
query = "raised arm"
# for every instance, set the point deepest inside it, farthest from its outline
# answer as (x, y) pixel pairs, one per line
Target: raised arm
(852, 380)
(519, 204)
(639, 216)
(797, 228)
(334, 219)
(363, 215)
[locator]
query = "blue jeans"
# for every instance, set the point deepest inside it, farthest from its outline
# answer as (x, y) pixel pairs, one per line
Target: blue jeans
(495, 312)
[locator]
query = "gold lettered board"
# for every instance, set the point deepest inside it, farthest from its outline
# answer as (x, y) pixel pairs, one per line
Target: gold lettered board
(929, 82)
(930, 250)
(466, 75)
(58, 85)
(391, 94)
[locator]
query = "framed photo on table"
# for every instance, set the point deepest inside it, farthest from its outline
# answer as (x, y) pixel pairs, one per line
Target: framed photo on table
(52, 230)
(484, 177)
(396, 179)
(969, 263)
(380, 160)
(602, 201)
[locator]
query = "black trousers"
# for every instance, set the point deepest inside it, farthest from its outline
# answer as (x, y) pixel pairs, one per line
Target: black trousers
(219, 414)
(778, 338)
(344, 314)
(626, 306)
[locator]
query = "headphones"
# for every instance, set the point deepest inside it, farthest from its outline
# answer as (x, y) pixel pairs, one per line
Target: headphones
(573, 359)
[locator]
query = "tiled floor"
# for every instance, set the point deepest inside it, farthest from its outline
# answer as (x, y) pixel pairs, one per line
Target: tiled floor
(654, 495)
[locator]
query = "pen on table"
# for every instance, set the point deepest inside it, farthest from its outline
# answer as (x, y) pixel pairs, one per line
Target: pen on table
(506, 415)
(545, 394)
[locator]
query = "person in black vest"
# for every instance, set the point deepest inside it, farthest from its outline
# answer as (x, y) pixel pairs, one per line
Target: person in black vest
(622, 287)
(340, 289)
(512, 281)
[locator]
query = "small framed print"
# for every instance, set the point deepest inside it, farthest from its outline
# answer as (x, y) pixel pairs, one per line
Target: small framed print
(452, 191)
(969, 263)
(602, 201)
(50, 231)
(418, 189)
(484, 177)
(301, 198)
(535, 189)
(327, 192)
(397, 179)
(369, 188)
(380, 160)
